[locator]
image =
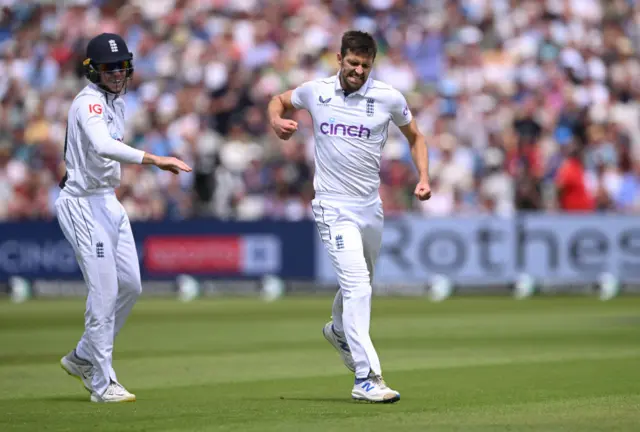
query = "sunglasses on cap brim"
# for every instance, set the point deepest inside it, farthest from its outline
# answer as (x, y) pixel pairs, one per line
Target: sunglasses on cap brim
(112, 67)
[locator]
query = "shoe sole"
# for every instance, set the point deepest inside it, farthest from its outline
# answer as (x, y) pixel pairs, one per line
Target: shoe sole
(324, 333)
(74, 375)
(95, 400)
(384, 401)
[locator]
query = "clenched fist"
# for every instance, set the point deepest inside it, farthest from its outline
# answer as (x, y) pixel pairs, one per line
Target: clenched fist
(284, 128)
(423, 191)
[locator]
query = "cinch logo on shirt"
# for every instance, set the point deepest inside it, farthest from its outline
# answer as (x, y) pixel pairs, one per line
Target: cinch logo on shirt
(336, 129)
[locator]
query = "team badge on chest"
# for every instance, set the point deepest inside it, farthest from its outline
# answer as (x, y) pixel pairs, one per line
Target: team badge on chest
(370, 107)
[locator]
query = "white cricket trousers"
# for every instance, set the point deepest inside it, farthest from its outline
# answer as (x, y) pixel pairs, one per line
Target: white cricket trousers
(98, 228)
(351, 230)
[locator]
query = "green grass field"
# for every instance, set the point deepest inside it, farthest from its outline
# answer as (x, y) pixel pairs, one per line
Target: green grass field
(468, 364)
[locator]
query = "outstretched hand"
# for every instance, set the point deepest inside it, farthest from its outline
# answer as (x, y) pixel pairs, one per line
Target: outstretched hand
(172, 164)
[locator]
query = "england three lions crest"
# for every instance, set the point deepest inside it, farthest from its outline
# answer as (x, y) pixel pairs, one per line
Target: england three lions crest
(370, 107)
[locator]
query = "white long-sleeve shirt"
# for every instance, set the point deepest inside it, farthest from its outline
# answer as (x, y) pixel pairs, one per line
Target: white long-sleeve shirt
(350, 132)
(93, 146)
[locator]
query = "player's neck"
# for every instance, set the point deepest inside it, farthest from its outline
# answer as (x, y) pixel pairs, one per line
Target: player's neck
(108, 94)
(344, 86)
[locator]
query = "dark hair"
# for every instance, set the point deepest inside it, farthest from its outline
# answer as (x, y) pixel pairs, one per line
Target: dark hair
(358, 42)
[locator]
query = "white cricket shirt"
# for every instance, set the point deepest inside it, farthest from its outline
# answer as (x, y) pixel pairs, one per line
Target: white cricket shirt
(350, 132)
(93, 146)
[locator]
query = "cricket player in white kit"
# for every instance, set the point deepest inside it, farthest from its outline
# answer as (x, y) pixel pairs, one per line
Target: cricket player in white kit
(94, 221)
(351, 115)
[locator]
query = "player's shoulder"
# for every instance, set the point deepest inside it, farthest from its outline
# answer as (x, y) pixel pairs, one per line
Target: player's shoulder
(383, 90)
(331, 80)
(320, 82)
(88, 95)
(89, 101)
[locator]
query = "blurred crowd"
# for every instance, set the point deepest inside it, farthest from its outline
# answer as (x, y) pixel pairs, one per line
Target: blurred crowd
(526, 105)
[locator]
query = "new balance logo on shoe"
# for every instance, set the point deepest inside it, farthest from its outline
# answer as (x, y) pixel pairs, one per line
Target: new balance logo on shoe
(367, 386)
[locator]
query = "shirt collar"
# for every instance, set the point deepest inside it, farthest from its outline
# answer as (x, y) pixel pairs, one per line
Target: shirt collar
(104, 92)
(361, 91)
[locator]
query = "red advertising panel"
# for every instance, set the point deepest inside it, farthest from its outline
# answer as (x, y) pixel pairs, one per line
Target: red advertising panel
(197, 254)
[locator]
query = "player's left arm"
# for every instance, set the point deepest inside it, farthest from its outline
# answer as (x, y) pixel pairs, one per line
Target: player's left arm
(420, 156)
(403, 118)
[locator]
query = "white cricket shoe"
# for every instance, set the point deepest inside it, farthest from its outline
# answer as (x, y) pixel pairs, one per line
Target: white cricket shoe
(374, 389)
(78, 368)
(113, 394)
(339, 342)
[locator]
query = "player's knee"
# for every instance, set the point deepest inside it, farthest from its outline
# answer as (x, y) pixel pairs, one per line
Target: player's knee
(355, 281)
(356, 291)
(133, 287)
(136, 288)
(101, 318)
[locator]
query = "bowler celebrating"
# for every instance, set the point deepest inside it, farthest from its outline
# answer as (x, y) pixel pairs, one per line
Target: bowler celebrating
(93, 220)
(351, 114)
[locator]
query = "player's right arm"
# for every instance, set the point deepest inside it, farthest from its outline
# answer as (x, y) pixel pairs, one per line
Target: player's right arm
(278, 106)
(90, 114)
(288, 101)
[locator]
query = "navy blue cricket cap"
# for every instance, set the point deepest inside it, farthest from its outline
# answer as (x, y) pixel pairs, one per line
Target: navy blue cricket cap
(108, 48)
